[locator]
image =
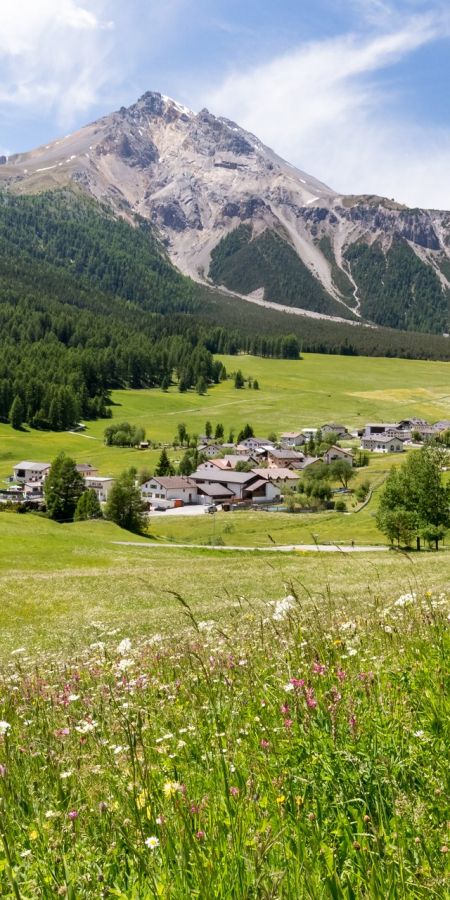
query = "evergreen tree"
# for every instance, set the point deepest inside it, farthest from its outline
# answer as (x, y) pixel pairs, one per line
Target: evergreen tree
(208, 429)
(16, 413)
(218, 434)
(187, 465)
(239, 379)
(165, 384)
(182, 433)
(231, 436)
(201, 386)
(88, 506)
(256, 385)
(62, 488)
(164, 466)
(125, 506)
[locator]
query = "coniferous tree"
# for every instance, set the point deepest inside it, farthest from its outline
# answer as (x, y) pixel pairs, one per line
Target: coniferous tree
(164, 466)
(88, 506)
(125, 506)
(63, 488)
(16, 413)
(239, 379)
(201, 386)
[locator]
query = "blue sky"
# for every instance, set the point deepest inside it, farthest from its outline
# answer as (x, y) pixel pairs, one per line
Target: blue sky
(354, 92)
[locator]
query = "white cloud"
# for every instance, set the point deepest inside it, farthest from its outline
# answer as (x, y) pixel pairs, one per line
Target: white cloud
(54, 55)
(322, 108)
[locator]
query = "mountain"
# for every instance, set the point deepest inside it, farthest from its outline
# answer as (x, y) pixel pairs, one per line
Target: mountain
(232, 213)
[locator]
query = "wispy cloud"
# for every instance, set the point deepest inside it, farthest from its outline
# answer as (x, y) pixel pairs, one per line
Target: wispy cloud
(323, 107)
(54, 55)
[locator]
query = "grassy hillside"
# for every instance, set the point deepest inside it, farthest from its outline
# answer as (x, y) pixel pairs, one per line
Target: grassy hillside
(293, 394)
(283, 734)
(52, 576)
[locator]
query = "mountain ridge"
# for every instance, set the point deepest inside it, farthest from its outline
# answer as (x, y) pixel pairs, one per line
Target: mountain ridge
(198, 178)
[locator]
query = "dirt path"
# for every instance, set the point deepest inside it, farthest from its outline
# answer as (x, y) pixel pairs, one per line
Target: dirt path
(288, 548)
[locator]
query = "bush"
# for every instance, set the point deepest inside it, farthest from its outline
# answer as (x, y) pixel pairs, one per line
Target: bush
(340, 506)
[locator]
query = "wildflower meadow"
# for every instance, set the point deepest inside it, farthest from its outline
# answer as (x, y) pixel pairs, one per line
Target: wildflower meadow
(294, 751)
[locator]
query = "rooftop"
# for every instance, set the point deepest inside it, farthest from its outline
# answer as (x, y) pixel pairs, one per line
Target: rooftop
(276, 472)
(173, 482)
(285, 454)
(37, 466)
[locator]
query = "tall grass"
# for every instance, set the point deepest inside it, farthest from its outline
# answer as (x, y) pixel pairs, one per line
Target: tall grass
(298, 753)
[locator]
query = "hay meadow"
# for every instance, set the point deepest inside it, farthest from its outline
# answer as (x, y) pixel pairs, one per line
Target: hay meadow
(185, 722)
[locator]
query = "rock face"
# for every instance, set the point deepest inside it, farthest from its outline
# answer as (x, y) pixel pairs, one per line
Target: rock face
(198, 177)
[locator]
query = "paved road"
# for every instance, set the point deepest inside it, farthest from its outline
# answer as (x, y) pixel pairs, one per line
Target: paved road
(178, 511)
(288, 548)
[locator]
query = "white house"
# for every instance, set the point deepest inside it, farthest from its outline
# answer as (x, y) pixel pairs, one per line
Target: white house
(374, 429)
(292, 439)
(255, 443)
(334, 453)
(309, 433)
(209, 449)
(382, 443)
(338, 430)
(30, 471)
(242, 485)
(101, 486)
(170, 490)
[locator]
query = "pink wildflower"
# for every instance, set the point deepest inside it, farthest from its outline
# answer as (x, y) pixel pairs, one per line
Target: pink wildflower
(288, 723)
(234, 791)
(310, 698)
(319, 670)
(200, 835)
(298, 683)
(264, 743)
(340, 674)
(73, 814)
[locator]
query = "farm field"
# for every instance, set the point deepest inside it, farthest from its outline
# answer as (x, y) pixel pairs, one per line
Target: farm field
(293, 394)
(58, 582)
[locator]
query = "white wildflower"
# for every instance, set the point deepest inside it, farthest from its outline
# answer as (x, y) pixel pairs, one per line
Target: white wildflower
(124, 647)
(4, 727)
(206, 626)
(125, 664)
(152, 843)
(282, 608)
(85, 727)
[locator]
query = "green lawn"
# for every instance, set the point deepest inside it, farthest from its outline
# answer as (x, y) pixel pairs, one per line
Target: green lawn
(293, 394)
(59, 583)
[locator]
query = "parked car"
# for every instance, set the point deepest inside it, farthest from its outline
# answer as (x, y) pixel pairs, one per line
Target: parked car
(211, 509)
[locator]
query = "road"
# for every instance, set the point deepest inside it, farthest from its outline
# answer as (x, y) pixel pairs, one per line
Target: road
(288, 548)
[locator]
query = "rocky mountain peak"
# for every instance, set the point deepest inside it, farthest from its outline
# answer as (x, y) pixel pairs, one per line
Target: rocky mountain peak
(199, 177)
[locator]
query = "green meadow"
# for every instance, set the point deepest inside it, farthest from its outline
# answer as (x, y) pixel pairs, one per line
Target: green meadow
(181, 722)
(57, 582)
(293, 394)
